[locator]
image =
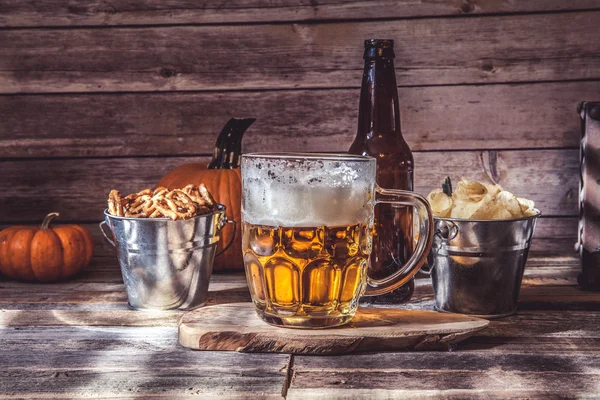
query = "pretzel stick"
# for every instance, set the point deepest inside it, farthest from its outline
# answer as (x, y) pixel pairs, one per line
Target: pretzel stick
(176, 204)
(114, 203)
(206, 195)
(163, 207)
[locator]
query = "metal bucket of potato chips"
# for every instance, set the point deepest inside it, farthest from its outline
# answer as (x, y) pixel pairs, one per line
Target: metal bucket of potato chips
(477, 266)
(166, 264)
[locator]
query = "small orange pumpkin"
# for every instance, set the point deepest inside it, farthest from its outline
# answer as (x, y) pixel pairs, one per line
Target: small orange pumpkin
(44, 254)
(222, 178)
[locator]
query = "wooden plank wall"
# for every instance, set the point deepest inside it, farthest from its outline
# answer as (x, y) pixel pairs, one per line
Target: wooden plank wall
(103, 95)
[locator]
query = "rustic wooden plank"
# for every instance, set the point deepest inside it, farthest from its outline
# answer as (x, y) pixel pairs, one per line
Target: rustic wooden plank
(135, 343)
(116, 345)
(78, 188)
(236, 327)
(128, 396)
(494, 384)
(454, 361)
(104, 278)
(513, 48)
(142, 361)
(433, 118)
(498, 345)
(101, 305)
(554, 237)
(16, 13)
(387, 366)
(86, 317)
(100, 288)
(90, 361)
(144, 383)
(566, 299)
(98, 302)
(119, 344)
(107, 278)
(462, 374)
(536, 353)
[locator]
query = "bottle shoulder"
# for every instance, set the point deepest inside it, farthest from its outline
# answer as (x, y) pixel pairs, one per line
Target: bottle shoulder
(383, 147)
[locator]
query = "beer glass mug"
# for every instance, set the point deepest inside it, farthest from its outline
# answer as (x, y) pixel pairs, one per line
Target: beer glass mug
(307, 226)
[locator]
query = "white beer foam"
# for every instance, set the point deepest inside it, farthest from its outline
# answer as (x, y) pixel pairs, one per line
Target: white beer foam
(307, 194)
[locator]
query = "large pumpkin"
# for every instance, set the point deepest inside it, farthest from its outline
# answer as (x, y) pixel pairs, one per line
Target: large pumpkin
(44, 254)
(222, 178)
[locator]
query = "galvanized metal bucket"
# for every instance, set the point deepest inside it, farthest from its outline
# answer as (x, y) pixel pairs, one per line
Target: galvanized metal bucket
(166, 264)
(477, 266)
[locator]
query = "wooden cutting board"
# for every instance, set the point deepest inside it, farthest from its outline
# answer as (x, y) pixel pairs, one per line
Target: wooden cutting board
(236, 327)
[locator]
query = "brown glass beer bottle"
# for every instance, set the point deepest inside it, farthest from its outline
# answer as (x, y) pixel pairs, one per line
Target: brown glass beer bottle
(379, 136)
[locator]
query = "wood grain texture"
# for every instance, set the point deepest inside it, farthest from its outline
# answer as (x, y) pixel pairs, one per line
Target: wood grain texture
(518, 356)
(536, 353)
(78, 188)
(512, 48)
(17, 13)
(236, 327)
(433, 118)
(144, 374)
(492, 383)
(88, 300)
(504, 372)
(99, 289)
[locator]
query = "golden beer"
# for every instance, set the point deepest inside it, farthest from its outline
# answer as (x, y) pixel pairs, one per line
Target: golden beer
(307, 276)
(307, 234)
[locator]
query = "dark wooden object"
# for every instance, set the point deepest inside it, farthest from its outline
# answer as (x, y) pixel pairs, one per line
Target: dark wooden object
(589, 196)
(79, 339)
(236, 327)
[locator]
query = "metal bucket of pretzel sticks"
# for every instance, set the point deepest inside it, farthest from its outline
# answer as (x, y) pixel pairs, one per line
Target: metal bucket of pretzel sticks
(166, 264)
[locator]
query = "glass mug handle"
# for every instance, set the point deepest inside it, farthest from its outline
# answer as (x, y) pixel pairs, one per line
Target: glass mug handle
(419, 256)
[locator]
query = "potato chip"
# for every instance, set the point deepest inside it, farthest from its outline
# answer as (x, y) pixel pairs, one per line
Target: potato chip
(526, 204)
(464, 209)
(440, 202)
(492, 189)
(499, 212)
(480, 201)
(510, 203)
(470, 190)
(472, 209)
(492, 210)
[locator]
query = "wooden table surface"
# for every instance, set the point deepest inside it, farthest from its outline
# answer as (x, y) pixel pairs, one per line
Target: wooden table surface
(79, 340)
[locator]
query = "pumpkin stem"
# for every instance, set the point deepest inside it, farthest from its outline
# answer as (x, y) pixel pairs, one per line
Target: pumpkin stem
(228, 148)
(48, 219)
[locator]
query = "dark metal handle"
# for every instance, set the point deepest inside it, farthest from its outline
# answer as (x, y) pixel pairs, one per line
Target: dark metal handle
(224, 249)
(101, 225)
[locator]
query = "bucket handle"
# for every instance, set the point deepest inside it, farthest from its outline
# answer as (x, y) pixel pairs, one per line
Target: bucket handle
(102, 225)
(429, 263)
(224, 249)
(447, 231)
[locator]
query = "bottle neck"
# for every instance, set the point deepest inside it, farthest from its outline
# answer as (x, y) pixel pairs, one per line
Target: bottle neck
(379, 112)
